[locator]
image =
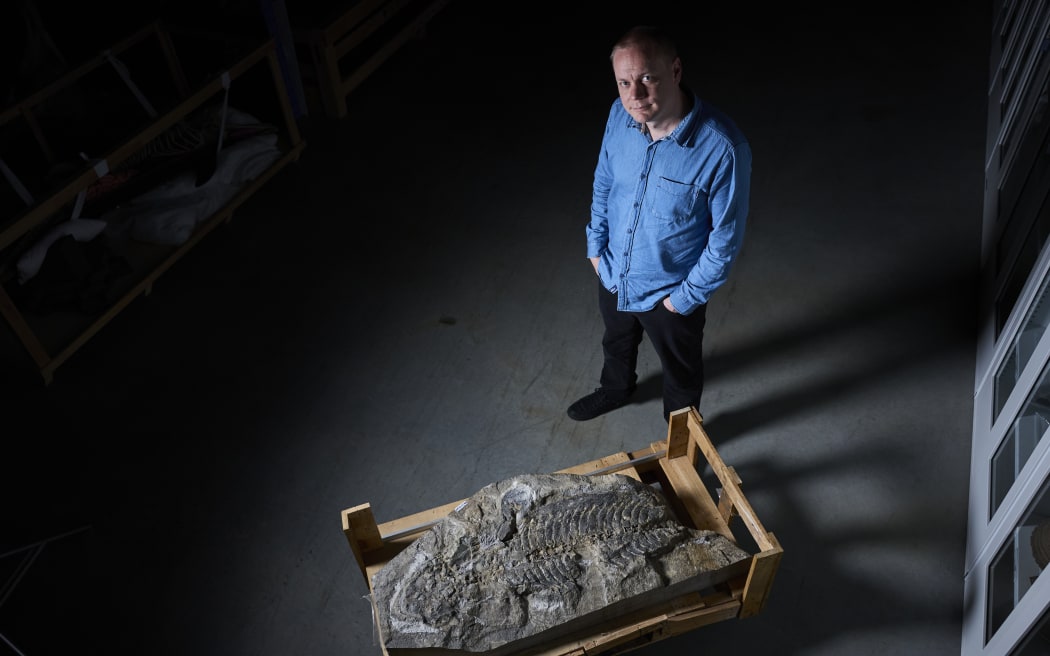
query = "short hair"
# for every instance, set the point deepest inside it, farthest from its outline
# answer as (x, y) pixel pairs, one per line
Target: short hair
(649, 38)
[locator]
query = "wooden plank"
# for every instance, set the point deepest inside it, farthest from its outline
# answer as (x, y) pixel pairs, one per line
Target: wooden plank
(606, 641)
(348, 19)
(760, 579)
(359, 527)
(646, 626)
(417, 522)
(369, 66)
(725, 503)
(690, 490)
(686, 622)
(290, 124)
(617, 463)
(718, 606)
(678, 433)
(625, 635)
(367, 27)
(330, 79)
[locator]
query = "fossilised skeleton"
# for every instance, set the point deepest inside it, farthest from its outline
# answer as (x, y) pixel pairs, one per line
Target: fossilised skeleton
(534, 552)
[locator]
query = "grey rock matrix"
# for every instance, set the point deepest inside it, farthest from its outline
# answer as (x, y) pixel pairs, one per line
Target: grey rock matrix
(532, 553)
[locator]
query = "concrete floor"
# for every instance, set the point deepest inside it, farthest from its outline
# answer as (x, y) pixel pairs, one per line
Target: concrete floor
(402, 318)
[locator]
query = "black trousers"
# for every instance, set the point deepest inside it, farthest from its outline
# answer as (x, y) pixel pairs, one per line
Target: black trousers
(678, 340)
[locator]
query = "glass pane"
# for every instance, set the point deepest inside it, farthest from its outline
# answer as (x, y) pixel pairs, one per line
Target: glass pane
(1032, 215)
(1019, 562)
(1020, 441)
(1024, 345)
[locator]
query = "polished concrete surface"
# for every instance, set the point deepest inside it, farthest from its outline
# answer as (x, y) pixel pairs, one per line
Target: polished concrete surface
(404, 315)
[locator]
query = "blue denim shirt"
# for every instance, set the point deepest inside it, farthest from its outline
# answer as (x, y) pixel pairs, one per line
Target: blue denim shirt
(667, 217)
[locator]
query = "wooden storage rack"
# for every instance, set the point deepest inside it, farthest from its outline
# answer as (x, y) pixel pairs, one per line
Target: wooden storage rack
(350, 46)
(49, 346)
(673, 464)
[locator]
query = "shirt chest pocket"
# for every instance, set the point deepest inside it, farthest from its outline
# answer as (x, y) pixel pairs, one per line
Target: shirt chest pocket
(673, 201)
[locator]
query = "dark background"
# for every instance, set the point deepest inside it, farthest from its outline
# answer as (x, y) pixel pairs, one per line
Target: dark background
(403, 316)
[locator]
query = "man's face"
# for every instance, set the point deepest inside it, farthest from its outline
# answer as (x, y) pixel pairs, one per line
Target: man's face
(647, 83)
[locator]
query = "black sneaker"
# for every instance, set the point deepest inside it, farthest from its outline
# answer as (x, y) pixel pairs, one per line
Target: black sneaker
(595, 404)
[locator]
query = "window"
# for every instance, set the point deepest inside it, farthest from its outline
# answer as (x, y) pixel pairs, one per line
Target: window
(1020, 561)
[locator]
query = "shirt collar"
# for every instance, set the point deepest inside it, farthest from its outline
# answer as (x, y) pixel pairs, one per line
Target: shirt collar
(686, 128)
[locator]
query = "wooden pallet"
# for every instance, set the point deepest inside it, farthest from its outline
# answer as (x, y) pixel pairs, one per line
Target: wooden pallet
(673, 465)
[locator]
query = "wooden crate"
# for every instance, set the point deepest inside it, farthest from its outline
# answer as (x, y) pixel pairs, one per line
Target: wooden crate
(350, 46)
(50, 339)
(673, 464)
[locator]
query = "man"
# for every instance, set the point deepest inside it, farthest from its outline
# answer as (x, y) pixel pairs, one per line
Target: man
(670, 199)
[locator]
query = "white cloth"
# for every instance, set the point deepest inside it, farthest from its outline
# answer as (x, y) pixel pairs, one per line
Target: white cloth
(169, 213)
(29, 262)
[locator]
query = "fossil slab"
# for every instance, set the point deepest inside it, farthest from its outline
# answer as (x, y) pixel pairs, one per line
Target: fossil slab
(539, 556)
